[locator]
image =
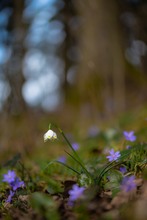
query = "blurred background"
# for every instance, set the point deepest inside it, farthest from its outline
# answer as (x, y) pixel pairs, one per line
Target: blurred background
(69, 60)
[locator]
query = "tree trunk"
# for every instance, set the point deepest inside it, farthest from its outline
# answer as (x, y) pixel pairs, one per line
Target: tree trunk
(101, 70)
(15, 103)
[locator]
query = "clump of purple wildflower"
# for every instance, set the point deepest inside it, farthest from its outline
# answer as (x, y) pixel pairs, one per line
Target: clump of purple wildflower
(129, 136)
(75, 193)
(14, 183)
(113, 155)
(128, 183)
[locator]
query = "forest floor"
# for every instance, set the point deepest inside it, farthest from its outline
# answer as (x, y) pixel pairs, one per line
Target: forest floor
(50, 170)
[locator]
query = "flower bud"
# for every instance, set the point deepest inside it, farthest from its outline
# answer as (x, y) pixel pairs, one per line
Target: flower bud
(50, 135)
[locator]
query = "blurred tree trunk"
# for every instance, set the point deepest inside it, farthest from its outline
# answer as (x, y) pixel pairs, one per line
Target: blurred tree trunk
(15, 103)
(101, 73)
(67, 13)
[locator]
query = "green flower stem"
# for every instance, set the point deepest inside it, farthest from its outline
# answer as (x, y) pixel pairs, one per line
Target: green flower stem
(69, 167)
(56, 161)
(49, 127)
(75, 153)
(86, 171)
(76, 158)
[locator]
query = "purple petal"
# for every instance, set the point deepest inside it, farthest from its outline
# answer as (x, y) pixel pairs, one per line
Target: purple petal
(10, 196)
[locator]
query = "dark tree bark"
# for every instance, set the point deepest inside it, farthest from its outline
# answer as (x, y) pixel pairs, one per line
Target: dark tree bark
(101, 74)
(15, 103)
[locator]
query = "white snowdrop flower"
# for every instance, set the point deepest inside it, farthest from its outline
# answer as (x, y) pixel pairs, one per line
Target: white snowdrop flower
(50, 135)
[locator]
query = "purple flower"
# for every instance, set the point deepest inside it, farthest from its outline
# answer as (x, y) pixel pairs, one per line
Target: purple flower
(17, 184)
(129, 136)
(128, 184)
(123, 170)
(13, 180)
(113, 155)
(10, 196)
(75, 146)
(75, 193)
(9, 177)
(62, 159)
